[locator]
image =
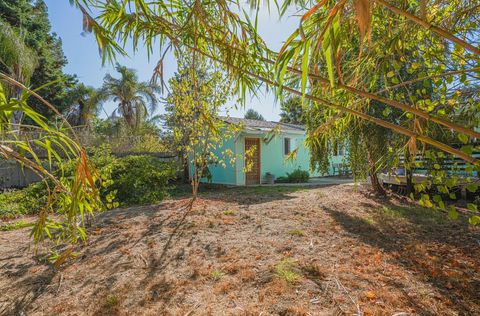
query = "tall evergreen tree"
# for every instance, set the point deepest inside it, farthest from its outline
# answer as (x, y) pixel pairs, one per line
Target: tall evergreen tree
(254, 115)
(30, 21)
(292, 110)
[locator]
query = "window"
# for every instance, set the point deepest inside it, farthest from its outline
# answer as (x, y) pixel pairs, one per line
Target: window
(286, 146)
(341, 150)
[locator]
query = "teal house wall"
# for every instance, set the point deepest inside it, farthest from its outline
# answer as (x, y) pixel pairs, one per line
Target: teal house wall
(224, 174)
(272, 157)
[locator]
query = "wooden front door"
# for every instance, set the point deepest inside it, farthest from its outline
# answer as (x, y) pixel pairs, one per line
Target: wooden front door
(252, 161)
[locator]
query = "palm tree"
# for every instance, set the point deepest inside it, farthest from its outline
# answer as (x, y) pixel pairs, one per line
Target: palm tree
(135, 100)
(84, 103)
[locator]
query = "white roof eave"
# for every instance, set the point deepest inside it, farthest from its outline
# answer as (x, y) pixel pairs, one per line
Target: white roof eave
(252, 131)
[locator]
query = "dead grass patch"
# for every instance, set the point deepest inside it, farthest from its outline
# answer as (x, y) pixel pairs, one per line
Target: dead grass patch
(361, 255)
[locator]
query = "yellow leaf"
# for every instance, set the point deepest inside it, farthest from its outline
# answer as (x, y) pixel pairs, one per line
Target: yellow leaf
(371, 295)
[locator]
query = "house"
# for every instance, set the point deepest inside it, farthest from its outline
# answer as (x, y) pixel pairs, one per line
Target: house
(272, 143)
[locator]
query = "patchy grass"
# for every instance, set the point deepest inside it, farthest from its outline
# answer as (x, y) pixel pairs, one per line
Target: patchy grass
(184, 190)
(111, 301)
(368, 221)
(15, 225)
(286, 270)
(389, 212)
(413, 212)
(216, 274)
(229, 213)
(296, 232)
(271, 189)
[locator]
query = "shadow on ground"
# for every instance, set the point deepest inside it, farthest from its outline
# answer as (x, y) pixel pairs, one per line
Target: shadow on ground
(144, 242)
(427, 246)
(257, 194)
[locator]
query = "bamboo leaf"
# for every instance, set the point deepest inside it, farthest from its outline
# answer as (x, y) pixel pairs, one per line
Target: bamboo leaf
(364, 16)
(305, 60)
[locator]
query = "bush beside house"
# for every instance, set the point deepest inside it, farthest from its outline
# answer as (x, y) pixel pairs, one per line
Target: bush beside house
(296, 176)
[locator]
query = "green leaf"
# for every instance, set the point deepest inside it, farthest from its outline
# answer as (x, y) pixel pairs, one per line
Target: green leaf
(390, 74)
(328, 58)
(472, 188)
(474, 220)
(463, 138)
(441, 205)
(305, 59)
(472, 207)
(453, 214)
(467, 149)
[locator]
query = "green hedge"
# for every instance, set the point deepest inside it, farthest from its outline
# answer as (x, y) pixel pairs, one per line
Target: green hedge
(126, 181)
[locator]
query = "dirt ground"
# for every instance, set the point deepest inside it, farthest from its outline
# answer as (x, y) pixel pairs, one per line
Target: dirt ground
(256, 251)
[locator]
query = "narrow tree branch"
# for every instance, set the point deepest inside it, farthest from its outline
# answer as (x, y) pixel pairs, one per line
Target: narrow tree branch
(444, 74)
(433, 28)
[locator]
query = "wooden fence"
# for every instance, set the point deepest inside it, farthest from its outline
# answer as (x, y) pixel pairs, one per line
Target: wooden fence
(13, 175)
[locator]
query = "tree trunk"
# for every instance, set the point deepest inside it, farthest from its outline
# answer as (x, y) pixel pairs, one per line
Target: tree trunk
(409, 172)
(17, 115)
(127, 113)
(186, 172)
(81, 113)
(376, 185)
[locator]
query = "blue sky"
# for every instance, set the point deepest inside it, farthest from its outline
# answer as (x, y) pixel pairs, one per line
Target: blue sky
(84, 60)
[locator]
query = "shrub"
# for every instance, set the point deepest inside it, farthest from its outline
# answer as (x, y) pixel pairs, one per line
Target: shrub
(126, 181)
(140, 179)
(131, 180)
(296, 176)
(25, 201)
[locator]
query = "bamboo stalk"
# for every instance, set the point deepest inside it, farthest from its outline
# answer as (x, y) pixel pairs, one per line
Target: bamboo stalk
(326, 82)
